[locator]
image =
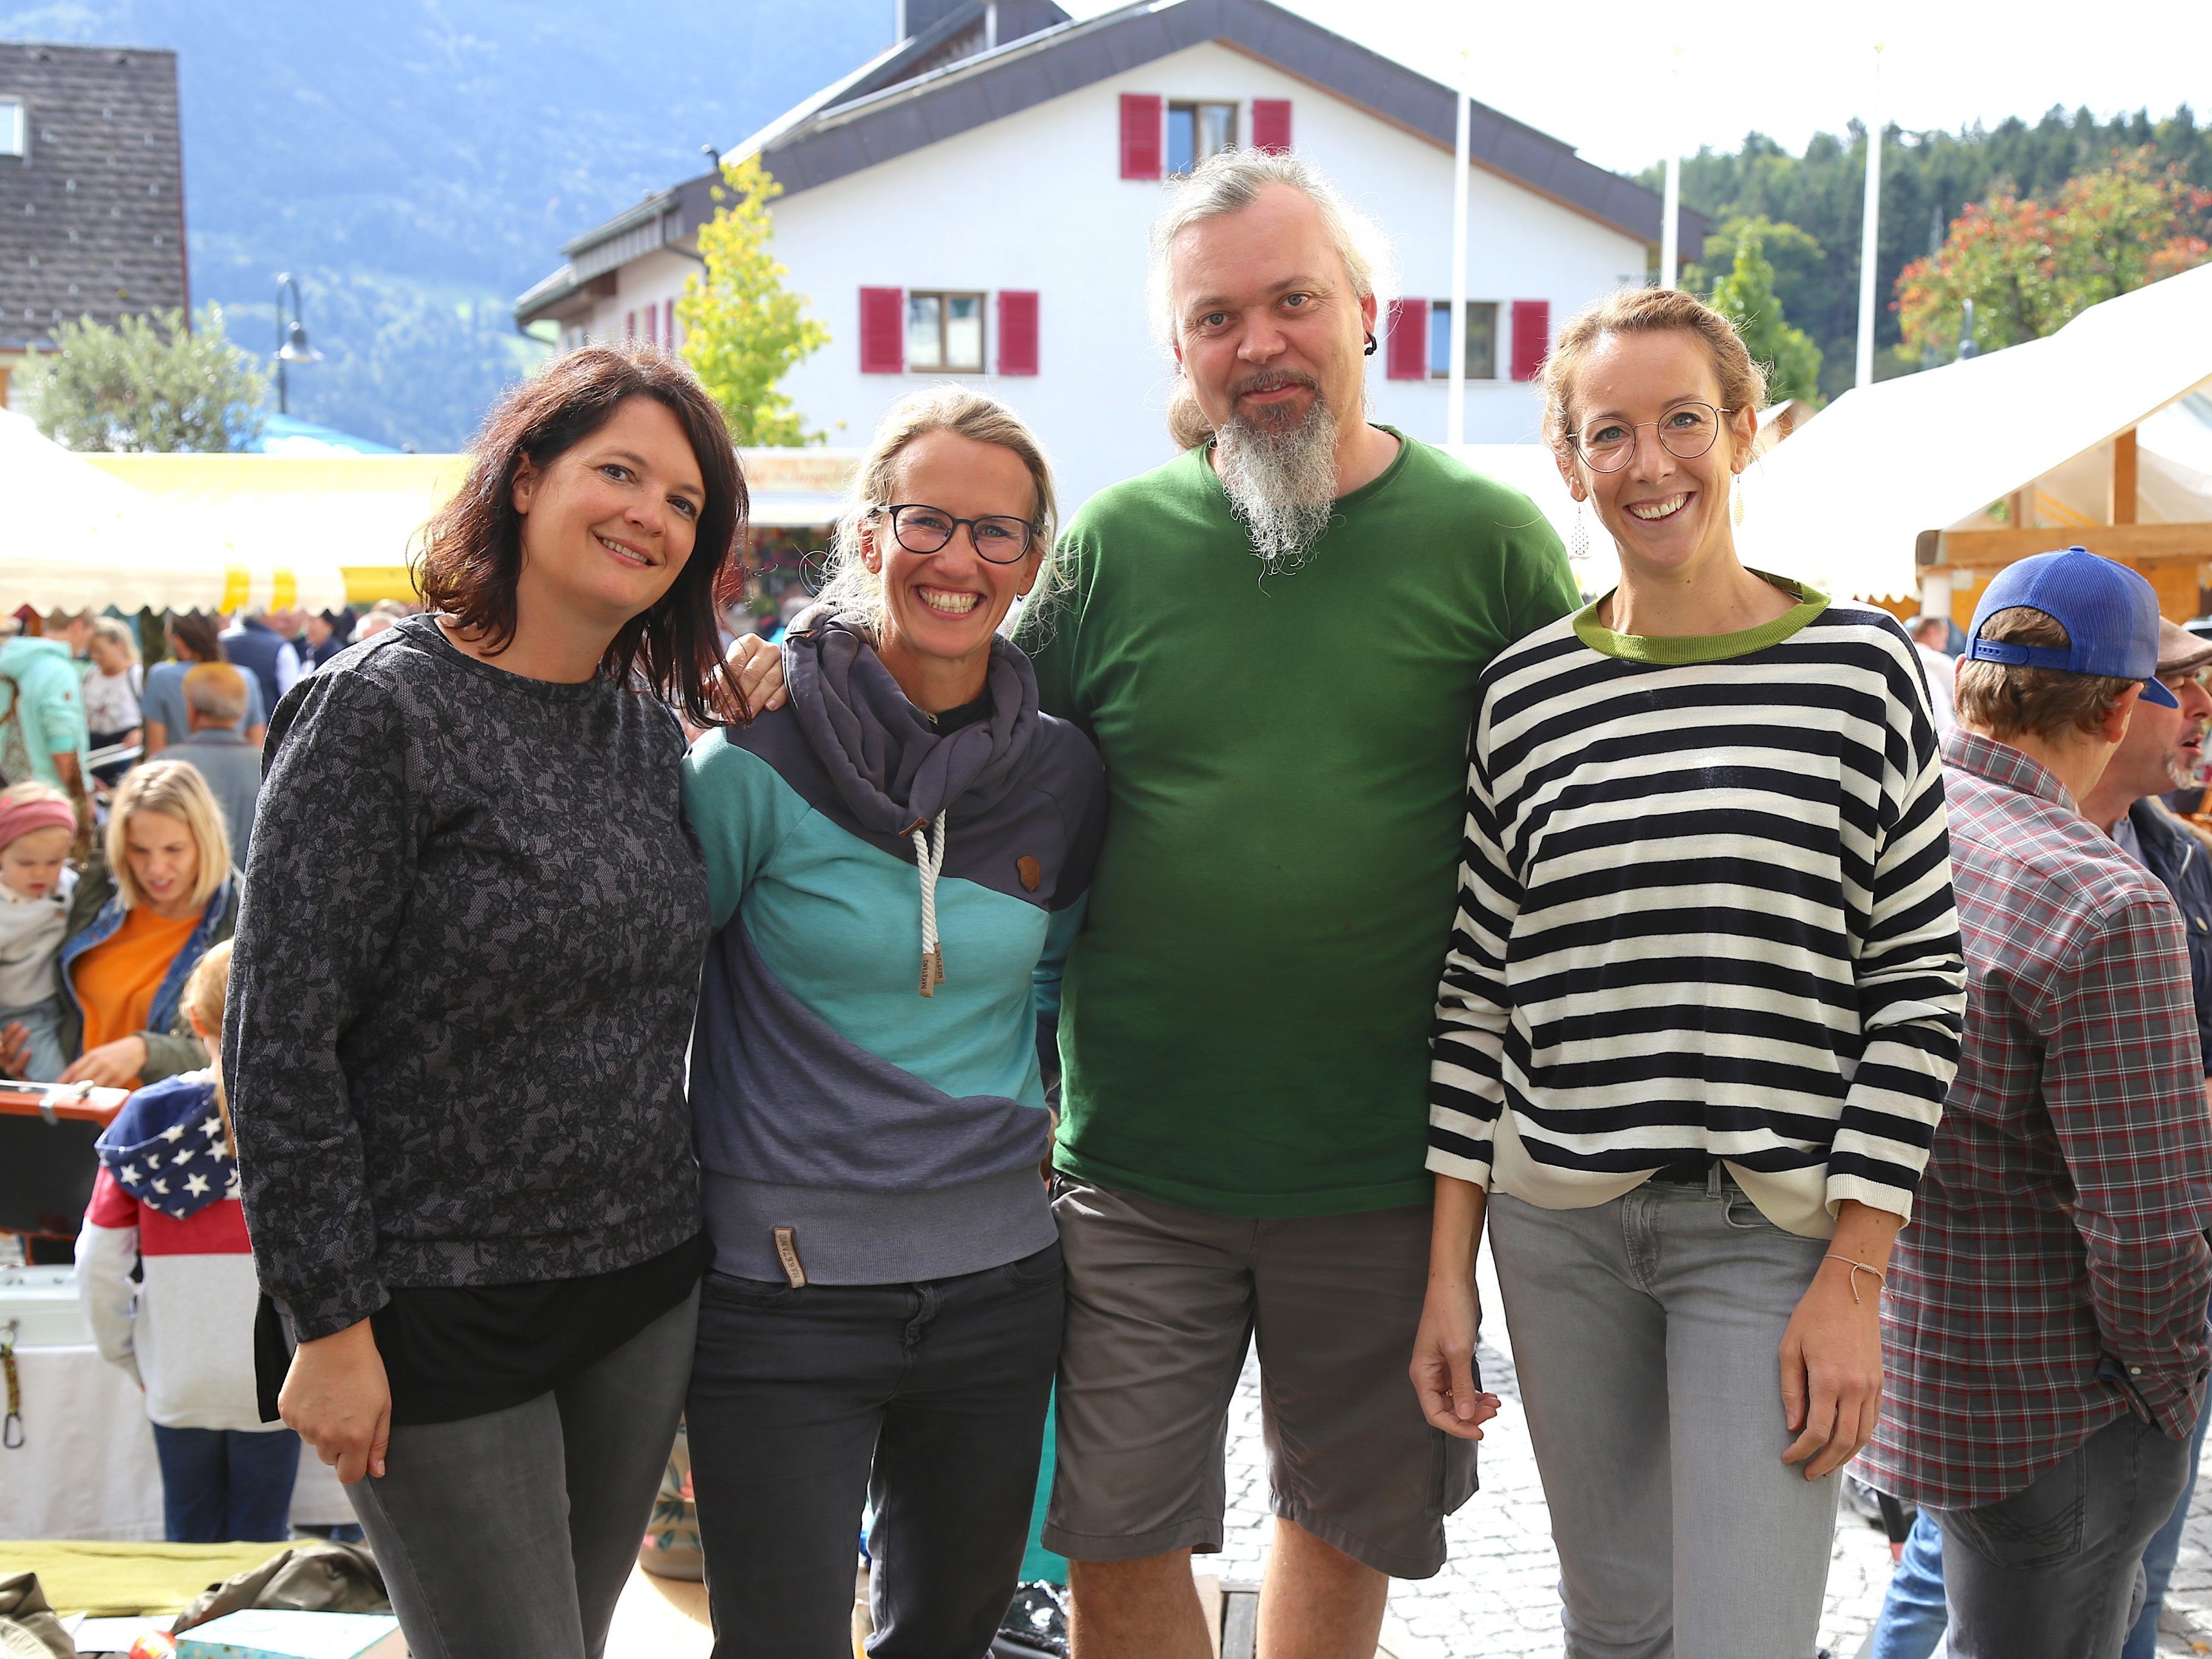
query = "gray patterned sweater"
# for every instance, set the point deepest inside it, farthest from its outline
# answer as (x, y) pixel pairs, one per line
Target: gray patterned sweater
(462, 983)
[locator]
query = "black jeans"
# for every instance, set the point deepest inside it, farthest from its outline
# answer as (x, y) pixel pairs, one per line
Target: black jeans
(2050, 1572)
(929, 1399)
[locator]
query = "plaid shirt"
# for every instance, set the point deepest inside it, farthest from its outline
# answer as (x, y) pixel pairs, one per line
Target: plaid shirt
(2056, 1271)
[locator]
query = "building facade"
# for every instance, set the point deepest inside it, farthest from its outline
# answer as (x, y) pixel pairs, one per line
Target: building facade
(975, 205)
(91, 193)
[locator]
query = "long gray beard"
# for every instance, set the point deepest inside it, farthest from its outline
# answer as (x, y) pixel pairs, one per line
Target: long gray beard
(1280, 483)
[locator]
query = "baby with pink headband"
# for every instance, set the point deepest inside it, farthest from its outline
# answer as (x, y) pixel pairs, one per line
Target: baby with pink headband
(37, 825)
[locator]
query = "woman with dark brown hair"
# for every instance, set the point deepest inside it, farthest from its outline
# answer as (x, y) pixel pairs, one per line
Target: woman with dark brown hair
(459, 1096)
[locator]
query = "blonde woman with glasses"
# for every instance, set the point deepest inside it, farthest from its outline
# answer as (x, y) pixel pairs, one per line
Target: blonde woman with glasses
(894, 859)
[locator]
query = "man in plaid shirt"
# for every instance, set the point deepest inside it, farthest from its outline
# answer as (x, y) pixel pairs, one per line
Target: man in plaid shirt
(2045, 1313)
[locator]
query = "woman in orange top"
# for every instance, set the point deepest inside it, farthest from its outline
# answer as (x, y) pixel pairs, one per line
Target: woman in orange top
(159, 892)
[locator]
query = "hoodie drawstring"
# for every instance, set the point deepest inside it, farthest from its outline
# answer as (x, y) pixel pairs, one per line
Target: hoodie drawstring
(933, 958)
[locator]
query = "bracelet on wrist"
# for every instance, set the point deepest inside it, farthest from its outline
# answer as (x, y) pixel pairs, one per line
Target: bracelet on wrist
(1857, 1267)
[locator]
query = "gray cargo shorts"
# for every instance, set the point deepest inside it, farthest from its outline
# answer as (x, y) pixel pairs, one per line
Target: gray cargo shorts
(1163, 1302)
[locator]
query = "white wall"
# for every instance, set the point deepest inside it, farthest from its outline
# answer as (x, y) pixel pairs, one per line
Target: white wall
(1037, 202)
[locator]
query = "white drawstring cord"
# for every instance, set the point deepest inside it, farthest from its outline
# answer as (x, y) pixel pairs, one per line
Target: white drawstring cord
(933, 958)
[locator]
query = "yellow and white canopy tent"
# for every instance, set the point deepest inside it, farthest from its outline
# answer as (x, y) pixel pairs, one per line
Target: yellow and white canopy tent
(361, 512)
(357, 513)
(74, 539)
(1917, 489)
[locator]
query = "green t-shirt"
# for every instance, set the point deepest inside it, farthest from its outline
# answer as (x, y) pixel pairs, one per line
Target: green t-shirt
(1244, 1026)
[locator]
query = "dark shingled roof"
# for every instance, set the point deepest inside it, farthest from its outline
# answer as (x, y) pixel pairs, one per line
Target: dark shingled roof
(908, 99)
(92, 216)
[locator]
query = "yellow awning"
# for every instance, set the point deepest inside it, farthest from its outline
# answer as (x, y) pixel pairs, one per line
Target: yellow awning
(359, 512)
(75, 538)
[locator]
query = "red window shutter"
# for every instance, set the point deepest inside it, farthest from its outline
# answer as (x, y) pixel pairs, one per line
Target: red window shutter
(1532, 337)
(629, 325)
(668, 324)
(1407, 356)
(1017, 332)
(1270, 124)
(1140, 135)
(883, 331)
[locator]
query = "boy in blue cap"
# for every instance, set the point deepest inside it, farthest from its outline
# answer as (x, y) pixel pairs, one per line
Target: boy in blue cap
(2043, 1316)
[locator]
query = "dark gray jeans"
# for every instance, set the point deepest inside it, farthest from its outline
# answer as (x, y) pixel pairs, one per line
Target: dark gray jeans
(2049, 1572)
(927, 1398)
(513, 1532)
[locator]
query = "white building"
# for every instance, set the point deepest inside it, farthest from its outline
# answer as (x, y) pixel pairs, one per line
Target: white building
(976, 203)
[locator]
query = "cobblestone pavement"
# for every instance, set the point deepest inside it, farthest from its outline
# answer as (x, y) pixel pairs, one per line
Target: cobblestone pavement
(1498, 1597)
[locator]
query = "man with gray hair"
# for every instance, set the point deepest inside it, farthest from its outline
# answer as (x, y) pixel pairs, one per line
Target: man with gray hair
(215, 703)
(1245, 1019)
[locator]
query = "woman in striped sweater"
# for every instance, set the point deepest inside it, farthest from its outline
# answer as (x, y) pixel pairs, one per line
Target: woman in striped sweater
(1701, 1006)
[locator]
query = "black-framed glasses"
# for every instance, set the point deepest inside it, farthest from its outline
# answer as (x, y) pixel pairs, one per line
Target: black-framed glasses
(1607, 444)
(998, 537)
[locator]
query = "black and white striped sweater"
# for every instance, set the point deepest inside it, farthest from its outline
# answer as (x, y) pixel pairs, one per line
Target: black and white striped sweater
(1704, 906)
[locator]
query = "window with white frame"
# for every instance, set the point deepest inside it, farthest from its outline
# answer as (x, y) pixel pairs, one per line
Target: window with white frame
(14, 128)
(944, 331)
(1482, 339)
(1196, 131)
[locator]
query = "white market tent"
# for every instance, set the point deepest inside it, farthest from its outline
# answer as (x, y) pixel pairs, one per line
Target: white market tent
(73, 539)
(1893, 484)
(361, 512)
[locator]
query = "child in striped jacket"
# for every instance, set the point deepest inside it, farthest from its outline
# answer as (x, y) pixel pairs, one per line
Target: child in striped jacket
(166, 1202)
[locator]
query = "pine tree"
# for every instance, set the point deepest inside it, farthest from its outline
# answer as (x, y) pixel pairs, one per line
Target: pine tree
(148, 383)
(743, 332)
(1745, 297)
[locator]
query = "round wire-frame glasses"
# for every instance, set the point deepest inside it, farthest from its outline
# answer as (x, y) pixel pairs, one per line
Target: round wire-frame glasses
(1688, 431)
(996, 537)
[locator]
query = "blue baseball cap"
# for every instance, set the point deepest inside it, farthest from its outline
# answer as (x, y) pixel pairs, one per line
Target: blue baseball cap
(2109, 612)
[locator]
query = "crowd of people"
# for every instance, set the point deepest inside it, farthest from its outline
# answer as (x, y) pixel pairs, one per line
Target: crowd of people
(1071, 956)
(122, 835)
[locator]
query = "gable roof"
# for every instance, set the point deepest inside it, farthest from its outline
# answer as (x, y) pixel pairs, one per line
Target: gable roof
(907, 99)
(94, 210)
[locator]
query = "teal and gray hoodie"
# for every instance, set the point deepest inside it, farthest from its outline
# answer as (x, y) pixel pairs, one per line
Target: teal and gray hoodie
(883, 1106)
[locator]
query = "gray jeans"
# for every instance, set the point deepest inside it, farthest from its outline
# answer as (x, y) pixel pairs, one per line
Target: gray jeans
(1645, 1332)
(513, 1532)
(2050, 1572)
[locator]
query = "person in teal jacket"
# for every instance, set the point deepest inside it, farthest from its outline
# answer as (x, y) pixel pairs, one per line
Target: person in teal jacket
(896, 861)
(43, 734)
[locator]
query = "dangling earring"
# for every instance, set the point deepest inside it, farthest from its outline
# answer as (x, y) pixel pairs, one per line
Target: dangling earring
(1578, 545)
(1738, 500)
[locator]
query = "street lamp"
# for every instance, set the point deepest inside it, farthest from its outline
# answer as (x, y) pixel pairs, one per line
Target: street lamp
(292, 345)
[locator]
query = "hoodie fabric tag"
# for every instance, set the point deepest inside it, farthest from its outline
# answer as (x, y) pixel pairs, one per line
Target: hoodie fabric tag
(787, 1252)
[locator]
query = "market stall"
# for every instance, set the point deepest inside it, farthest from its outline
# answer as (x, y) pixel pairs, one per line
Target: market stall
(75, 537)
(1917, 489)
(361, 512)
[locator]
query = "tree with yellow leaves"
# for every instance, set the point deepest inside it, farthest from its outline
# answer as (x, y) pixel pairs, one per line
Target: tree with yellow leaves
(743, 330)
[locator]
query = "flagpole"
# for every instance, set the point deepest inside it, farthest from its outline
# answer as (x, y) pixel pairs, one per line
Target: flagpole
(1670, 228)
(1868, 234)
(1455, 387)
